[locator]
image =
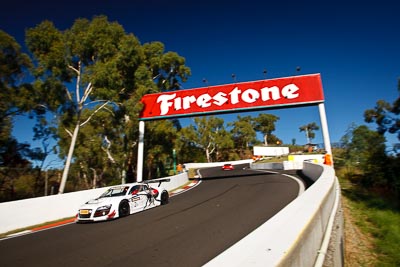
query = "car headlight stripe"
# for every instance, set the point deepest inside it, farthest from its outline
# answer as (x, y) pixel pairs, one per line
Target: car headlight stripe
(106, 207)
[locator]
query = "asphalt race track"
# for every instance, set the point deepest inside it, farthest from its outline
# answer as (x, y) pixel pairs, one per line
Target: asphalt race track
(192, 229)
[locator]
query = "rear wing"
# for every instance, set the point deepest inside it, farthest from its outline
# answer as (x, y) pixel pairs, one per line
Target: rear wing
(159, 181)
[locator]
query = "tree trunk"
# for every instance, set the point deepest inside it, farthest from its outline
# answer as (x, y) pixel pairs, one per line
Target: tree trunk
(69, 158)
(94, 184)
(85, 181)
(208, 155)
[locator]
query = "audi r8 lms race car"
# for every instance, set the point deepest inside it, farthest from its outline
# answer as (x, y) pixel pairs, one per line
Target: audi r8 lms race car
(123, 200)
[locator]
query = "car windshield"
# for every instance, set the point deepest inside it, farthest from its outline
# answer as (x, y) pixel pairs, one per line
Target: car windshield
(115, 191)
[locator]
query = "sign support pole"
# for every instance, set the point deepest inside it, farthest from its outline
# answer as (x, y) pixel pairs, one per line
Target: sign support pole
(324, 125)
(139, 169)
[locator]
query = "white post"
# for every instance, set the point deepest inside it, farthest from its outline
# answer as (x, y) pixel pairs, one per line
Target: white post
(139, 172)
(324, 125)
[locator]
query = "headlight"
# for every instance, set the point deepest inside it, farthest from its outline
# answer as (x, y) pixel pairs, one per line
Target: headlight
(102, 211)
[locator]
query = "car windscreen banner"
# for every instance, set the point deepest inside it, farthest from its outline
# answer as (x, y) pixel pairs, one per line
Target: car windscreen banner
(236, 97)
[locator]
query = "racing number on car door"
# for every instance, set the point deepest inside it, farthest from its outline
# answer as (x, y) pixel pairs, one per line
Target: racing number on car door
(138, 199)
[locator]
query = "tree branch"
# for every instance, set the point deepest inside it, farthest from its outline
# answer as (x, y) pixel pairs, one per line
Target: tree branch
(68, 132)
(107, 150)
(87, 92)
(96, 101)
(97, 110)
(68, 94)
(72, 68)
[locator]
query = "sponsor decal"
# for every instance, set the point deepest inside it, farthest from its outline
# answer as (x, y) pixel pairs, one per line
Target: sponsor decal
(84, 212)
(296, 90)
(135, 198)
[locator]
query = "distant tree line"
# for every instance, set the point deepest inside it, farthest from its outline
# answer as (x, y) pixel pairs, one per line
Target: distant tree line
(364, 156)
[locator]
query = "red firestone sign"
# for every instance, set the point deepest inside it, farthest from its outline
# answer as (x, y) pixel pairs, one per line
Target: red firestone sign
(235, 97)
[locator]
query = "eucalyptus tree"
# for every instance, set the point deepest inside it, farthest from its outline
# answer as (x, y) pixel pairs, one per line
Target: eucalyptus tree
(207, 133)
(187, 149)
(243, 132)
(365, 151)
(15, 99)
(93, 67)
(224, 145)
(387, 118)
(309, 129)
(14, 68)
(159, 155)
(97, 151)
(265, 124)
(15, 95)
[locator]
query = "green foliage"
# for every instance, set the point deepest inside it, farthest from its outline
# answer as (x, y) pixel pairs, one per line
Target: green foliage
(13, 166)
(24, 186)
(15, 99)
(309, 129)
(13, 65)
(265, 124)
(365, 151)
(159, 159)
(386, 116)
(242, 132)
(111, 71)
(89, 79)
(295, 149)
(209, 135)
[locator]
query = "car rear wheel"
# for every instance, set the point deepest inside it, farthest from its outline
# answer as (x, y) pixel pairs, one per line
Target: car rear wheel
(123, 209)
(164, 198)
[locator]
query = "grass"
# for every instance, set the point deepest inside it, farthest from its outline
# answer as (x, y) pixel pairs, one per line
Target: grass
(192, 173)
(379, 218)
(273, 159)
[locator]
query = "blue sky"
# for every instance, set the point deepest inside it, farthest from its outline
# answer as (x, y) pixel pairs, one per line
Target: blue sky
(354, 45)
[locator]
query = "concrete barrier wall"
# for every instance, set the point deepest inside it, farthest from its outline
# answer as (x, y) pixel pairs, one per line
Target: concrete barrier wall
(28, 212)
(215, 164)
(297, 234)
(294, 162)
(314, 171)
(314, 158)
(267, 166)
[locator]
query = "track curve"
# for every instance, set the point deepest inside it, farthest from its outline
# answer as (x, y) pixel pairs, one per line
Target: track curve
(191, 230)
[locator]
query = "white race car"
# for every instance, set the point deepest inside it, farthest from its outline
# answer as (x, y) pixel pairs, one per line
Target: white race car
(122, 200)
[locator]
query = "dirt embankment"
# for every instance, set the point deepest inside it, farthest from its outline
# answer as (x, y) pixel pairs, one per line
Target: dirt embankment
(359, 249)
